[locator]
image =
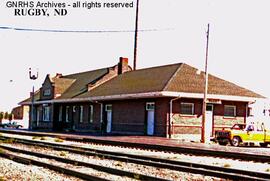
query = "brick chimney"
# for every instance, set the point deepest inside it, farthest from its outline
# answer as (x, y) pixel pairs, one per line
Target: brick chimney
(58, 75)
(123, 65)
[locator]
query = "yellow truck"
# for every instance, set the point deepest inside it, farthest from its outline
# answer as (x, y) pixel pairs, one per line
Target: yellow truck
(247, 134)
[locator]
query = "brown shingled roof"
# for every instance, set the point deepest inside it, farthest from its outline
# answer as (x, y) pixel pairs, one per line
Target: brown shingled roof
(175, 78)
(71, 85)
(36, 98)
(80, 81)
(188, 80)
(139, 81)
(62, 84)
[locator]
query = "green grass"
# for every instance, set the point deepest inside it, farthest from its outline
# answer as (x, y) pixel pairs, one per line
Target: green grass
(2, 151)
(226, 165)
(9, 141)
(63, 153)
(58, 140)
(36, 137)
(43, 138)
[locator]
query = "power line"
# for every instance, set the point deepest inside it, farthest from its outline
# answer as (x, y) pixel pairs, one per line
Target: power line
(75, 31)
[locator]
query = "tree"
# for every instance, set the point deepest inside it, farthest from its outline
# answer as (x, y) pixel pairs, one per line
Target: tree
(6, 115)
(1, 116)
(10, 116)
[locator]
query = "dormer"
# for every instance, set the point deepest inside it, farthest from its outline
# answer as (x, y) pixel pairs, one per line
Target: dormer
(47, 89)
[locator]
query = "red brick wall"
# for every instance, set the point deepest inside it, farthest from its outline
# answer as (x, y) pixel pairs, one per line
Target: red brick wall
(86, 124)
(191, 124)
(17, 112)
(128, 116)
(74, 122)
(161, 116)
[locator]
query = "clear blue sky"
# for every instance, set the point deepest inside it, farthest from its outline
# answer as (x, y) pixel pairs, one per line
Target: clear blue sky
(238, 50)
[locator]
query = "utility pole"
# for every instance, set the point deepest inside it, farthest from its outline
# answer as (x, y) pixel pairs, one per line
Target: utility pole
(205, 90)
(136, 36)
(32, 77)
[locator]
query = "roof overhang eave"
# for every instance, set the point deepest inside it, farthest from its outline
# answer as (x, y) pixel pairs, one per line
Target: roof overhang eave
(210, 96)
(148, 95)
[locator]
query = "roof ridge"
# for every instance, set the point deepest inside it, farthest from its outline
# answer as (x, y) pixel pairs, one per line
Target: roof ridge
(83, 72)
(169, 81)
(159, 66)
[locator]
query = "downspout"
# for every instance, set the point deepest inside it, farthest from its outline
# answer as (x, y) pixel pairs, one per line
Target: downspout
(170, 119)
(247, 112)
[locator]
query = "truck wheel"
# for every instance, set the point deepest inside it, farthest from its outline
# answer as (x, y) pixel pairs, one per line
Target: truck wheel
(235, 141)
(263, 144)
(222, 143)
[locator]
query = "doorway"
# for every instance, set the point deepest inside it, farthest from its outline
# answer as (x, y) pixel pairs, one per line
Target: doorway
(108, 109)
(209, 121)
(150, 108)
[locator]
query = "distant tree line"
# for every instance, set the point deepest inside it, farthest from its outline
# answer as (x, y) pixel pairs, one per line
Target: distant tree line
(6, 115)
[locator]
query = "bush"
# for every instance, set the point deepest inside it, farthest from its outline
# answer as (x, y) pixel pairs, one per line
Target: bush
(58, 140)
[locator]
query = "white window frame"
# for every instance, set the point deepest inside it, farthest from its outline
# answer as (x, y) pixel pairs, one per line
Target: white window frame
(150, 106)
(234, 110)
(47, 92)
(60, 115)
(81, 114)
(46, 113)
(67, 111)
(108, 107)
(187, 103)
(91, 113)
(38, 114)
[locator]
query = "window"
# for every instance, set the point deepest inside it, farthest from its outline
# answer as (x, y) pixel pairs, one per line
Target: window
(67, 110)
(47, 92)
(81, 114)
(91, 113)
(108, 107)
(229, 111)
(46, 113)
(60, 113)
(150, 106)
(39, 113)
(187, 108)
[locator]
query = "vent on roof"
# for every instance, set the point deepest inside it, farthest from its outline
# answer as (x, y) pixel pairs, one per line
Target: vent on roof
(198, 72)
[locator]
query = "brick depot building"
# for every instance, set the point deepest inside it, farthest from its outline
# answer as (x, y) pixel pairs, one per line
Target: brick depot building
(156, 101)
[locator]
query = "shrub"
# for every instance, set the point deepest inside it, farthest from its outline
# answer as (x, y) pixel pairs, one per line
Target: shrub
(226, 165)
(58, 140)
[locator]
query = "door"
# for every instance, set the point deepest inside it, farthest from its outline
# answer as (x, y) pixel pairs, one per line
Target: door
(209, 121)
(109, 121)
(108, 109)
(150, 122)
(150, 108)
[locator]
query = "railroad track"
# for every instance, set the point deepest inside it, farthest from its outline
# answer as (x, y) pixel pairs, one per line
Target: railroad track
(208, 170)
(66, 171)
(162, 148)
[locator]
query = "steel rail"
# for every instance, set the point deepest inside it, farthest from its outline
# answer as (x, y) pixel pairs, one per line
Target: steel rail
(156, 162)
(28, 161)
(85, 164)
(163, 148)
